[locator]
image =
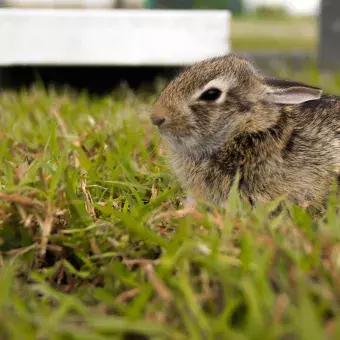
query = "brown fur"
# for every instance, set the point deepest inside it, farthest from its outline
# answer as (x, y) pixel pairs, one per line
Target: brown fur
(277, 149)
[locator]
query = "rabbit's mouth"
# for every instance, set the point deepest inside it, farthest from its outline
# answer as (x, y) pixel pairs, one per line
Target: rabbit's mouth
(178, 133)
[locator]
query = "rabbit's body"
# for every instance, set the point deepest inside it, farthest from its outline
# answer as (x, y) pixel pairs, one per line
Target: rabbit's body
(276, 148)
(270, 163)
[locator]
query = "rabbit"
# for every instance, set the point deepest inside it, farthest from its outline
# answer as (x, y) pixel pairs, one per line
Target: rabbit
(221, 117)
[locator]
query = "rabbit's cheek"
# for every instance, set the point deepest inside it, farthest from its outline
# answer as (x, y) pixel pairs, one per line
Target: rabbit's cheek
(201, 117)
(244, 107)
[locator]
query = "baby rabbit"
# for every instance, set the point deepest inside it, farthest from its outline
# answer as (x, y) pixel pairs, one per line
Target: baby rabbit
(221, 117)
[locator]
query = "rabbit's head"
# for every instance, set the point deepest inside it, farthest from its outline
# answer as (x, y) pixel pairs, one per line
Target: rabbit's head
(219, 98)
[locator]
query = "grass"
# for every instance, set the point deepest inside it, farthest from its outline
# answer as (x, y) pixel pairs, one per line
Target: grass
(95, 243)
(285, 34)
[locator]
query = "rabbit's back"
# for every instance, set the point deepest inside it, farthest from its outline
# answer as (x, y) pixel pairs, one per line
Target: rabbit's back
(318, 122)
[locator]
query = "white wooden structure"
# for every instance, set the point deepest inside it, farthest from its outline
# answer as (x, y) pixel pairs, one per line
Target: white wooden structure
(109, 37)
(60, 3)
(73, 3)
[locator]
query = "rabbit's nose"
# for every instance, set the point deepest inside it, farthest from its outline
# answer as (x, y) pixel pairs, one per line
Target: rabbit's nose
(159, 114)
(157, 120)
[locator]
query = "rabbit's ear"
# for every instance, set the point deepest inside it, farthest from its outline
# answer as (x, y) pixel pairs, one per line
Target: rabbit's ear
(293, 95)
(289, 92)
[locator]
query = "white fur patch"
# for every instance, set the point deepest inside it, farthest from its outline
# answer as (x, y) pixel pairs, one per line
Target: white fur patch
(190, 202)
(223, 84)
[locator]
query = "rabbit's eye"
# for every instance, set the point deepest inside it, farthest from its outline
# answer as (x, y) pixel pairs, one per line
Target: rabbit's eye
(211, 95)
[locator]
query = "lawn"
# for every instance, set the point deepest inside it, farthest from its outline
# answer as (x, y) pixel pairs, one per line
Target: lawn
(95, 242)
(285, 34)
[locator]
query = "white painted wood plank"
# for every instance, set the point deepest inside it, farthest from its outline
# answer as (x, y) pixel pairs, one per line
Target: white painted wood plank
(72, 3)
(111, 37)
(60, 3)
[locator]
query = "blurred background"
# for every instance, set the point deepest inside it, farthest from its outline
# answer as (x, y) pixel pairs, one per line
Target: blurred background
(272, 32)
